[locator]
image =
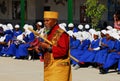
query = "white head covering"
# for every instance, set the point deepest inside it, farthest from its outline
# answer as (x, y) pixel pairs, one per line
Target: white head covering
(25, 26)
(103, 31)
(62, 26)
(119, 32)
(20, 37)
(80, 26)
(70, 33)
(39, 23)
(114, 30)
(17, 26)
(27, 31)
(109, 32)
(5, 27)
(70, 25)
(91, 31)
(109, 27)
(96, 33)
(9, 25)
(76, 35)
(85, 35)
(87, 26)
(29, 26)
(115, 35)
(1, 25)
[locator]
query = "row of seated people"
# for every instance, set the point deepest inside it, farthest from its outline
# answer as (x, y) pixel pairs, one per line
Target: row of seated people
(15, 42)
(87, 46)
(103, 50)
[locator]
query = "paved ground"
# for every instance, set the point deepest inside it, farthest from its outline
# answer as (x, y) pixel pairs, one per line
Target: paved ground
(24, 70)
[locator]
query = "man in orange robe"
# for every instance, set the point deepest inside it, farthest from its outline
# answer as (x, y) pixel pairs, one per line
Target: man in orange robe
(56, 56)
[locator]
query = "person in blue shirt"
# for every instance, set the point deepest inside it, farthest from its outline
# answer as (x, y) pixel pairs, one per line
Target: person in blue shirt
(113, 56)
(90, 53)
(28, 37)
(106, 44)
(12, 47)
(74, 48)
(72, 27)
(2, 40)
(8, 38)
(17, 31)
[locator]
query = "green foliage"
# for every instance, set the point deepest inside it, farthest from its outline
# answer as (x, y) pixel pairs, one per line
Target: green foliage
(94, 10)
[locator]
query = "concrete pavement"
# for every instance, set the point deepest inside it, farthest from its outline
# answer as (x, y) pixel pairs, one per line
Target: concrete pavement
(25, 70)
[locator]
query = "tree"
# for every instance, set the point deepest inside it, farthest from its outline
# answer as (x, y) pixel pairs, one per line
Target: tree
(94, 10)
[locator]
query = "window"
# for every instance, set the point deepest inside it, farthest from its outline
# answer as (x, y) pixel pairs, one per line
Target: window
(16, 12)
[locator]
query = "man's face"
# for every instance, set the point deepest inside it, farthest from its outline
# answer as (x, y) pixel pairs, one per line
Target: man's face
(49, 23)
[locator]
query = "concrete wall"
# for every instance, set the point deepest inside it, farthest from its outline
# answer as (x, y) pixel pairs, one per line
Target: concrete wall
(62, 9)
(35, 10)
(7, 15)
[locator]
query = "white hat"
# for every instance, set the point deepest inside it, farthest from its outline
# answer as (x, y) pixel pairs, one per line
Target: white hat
(39, 23)
(5, 27)
(96, 33)
(70, 33)
(115, 35)
(9, 25)
(70, 25)
(87, 26)
(103, 31)
(80, 26)
(1, 25)
(119, 32)
(75, 34)
(109, 32)
(85, 35)
(25, 26)
(27, 30)
(17, 26)
(30, 26)
(92, 30)
(62, 26)
(114, 30)
(109, 27)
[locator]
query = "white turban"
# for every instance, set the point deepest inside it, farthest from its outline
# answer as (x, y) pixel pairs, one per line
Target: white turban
(17, 26)
(70, 25)
(10, 26)
(87, 26)
(80, 26)
(39, 23)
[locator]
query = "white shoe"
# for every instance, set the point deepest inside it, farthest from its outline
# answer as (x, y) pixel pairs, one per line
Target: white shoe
(4, 55)
(14, 57)
(90, 66)
(76, 67)
(29, 58)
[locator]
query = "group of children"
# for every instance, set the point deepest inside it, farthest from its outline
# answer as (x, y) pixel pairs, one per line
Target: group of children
(14, 42)
(100, 48)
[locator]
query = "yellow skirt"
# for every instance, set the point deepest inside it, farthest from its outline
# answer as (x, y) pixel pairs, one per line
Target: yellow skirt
(58, 70)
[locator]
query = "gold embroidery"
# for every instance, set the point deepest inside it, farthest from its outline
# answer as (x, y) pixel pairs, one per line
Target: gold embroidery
(47, 56)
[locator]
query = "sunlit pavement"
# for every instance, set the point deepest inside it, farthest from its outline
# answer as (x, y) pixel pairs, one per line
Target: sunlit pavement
(32, 70)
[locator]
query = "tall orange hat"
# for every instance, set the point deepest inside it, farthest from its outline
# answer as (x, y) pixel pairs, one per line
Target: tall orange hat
(51, 14)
